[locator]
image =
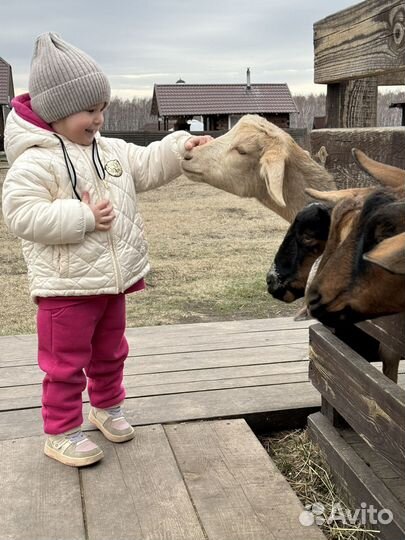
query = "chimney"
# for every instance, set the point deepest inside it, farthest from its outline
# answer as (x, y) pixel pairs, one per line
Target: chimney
(248, 78)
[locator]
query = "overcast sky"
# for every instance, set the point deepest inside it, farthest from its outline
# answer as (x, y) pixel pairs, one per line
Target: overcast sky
(142, 42)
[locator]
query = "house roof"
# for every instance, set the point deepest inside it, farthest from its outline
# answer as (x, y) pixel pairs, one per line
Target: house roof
(400, 103)
(194, 99)
(6, 83)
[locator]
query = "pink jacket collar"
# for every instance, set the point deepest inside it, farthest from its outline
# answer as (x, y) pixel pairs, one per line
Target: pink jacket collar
(22, 106)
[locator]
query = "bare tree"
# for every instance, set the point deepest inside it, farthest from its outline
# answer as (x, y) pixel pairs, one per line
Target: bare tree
(132, 115)
(127, 115)
(311, 106)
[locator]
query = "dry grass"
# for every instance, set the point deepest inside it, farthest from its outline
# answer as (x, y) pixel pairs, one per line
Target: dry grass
(301, 462)
(209, 252)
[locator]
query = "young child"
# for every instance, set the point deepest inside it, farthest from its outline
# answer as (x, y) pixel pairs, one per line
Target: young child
(71, 195)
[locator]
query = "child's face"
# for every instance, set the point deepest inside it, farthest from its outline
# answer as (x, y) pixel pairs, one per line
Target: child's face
(81, 127)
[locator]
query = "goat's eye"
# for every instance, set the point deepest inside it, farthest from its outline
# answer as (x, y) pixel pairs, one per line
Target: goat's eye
(240, 150)
(308, 240)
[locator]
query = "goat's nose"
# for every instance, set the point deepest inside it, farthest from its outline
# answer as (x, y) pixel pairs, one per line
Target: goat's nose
(272, 281)
(188, 155)
(313, 299)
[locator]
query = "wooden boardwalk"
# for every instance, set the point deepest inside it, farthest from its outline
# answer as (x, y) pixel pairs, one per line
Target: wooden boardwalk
(255, 370)
(181, 477)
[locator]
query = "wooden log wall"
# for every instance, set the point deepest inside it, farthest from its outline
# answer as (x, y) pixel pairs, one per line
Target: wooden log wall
(332, 148)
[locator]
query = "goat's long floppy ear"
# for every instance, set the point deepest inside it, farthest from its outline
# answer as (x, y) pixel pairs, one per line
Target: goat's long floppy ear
(387, 175)
(338, 195)
(273, 170)
(389, 254)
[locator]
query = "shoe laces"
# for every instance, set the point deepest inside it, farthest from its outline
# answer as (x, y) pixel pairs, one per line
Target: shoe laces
(115, 412)
(77, 437)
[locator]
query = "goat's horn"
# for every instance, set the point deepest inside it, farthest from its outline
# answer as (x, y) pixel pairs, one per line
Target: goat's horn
(387, 175)
(338, 195)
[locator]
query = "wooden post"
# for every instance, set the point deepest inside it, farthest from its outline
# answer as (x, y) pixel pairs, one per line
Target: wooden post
(351, 104)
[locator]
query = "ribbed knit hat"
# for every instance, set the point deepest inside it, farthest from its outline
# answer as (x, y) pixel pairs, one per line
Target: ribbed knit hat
(64, 80)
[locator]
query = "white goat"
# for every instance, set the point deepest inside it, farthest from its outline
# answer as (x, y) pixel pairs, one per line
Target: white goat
(258, 159)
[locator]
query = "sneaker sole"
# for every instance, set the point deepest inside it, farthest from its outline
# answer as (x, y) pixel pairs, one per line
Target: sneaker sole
(72, 461)
(107, 434)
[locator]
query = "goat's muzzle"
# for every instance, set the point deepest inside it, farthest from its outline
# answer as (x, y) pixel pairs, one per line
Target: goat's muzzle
(281, 291)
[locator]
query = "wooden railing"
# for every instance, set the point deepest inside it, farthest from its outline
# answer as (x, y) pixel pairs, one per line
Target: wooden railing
(361, 426)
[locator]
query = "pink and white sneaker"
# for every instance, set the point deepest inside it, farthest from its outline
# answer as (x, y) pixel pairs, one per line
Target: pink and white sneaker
(112, 423)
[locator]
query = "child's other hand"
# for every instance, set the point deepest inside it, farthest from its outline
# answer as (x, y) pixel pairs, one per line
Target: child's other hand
(197, 140)
(103, 212)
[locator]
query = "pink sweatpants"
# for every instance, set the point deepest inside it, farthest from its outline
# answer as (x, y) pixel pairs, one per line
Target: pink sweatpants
(80, 340)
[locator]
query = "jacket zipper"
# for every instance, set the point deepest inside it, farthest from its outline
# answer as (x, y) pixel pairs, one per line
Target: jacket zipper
(110, 237)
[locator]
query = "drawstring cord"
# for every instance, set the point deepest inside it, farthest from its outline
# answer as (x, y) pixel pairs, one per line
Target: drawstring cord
(69, 166)
(71, 170)
(98, 163)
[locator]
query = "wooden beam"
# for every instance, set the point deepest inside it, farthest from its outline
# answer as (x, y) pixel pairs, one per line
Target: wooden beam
(388, 330)
(372, 405)
(365, 40)
(354, 475)
(391, 79)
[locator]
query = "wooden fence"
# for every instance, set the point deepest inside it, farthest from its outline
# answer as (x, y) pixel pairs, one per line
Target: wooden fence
(361, 426)
(143, 138)
(355, 51)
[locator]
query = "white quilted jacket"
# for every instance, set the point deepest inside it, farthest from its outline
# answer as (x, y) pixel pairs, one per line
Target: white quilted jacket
(64, 253)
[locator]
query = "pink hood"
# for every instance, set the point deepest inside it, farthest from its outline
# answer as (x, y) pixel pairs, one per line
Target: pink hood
(22, 106)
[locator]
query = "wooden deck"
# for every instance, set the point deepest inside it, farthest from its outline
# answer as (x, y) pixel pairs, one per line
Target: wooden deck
(181, 477)
(257, 370)
(176, 480)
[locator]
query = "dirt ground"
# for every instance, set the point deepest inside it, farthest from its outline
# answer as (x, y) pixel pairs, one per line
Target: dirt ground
(209, 251)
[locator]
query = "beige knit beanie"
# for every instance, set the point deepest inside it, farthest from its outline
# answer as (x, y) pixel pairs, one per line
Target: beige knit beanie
(64, 80)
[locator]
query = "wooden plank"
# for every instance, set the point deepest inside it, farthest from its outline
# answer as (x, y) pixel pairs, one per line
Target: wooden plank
(137, 491)
(373, 405)
(40, 499)
(388, 330)
(355, 476)
(379, 465)
(22, 397)
(236, 489)
(192, 329)
(335, 145)
(192, 359)
(364, 40)
(25, 396)
(230, 403)
(331, 413)
(179, 343)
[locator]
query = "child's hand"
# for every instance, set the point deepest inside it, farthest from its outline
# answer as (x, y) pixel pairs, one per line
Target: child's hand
(103, 212)
(197, 140)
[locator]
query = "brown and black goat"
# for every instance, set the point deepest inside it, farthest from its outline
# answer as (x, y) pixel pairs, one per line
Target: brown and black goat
(305, 240)
(347, 287)
(303, 243)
